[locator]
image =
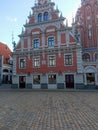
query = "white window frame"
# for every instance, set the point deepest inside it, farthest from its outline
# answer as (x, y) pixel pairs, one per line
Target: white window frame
(20, 63)
(48, 40)
(49, 61)
(70, 54)
(38, 43)
(36, 66)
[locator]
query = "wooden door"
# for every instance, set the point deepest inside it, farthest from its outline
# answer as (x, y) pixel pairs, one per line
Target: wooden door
(22, 82)
(69, 80)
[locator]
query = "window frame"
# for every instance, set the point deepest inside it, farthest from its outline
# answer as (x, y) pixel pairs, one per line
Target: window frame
(45, 16)
(36, 82)
(96, 56)
(20, 65)
(39, 17)
(68, 63)
(50, 80)
(51, 60)
(86, 59)
(51, 42)
(36, 43)
(36, 62)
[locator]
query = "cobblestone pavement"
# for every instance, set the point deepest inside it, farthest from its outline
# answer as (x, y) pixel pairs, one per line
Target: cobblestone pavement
(23, 110)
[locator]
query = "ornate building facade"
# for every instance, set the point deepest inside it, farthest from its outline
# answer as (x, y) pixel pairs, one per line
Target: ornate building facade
(5, 64)
(85, 29)
(47, 55)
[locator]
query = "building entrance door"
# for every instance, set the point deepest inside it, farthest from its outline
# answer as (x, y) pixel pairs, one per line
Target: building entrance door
(69, 79)
(5, 79)
(22, 82)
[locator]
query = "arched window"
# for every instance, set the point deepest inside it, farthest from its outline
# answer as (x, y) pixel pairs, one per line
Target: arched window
(40, 17)
(96, 56)
(86, 57)
(46, 16)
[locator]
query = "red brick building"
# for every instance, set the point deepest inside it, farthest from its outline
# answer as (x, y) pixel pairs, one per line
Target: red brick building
(47, 55)
(5, 64)
(85, 29)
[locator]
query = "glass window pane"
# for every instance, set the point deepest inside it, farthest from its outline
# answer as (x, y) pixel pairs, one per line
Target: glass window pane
(51, 41)
(52, 61)
(40, 17)
(36, 62)
(36, 79)
(86, 57)
(52, 79)
(90, 78)
(22, 63)
(96, 57)
(68, 59)
(36, 43)
(46, 16)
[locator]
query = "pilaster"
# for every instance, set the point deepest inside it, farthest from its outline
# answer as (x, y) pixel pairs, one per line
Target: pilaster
(79, 61)
(67, 37)
(14, 65)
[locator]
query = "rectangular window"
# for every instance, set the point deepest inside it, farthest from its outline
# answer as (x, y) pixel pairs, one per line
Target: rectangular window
(36, 62)
(68, 59)
(51, 41)
(36, 79)
(36, 43)
(52, 61)
(52, 79)
(90, 78)
(22, 63)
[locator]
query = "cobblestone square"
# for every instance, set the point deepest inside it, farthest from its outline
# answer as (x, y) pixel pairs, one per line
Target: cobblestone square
(40, 110)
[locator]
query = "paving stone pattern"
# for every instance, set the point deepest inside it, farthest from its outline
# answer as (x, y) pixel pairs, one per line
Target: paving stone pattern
(48, 110)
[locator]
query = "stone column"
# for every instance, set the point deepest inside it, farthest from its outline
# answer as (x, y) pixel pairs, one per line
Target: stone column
(59, 42)
(85, 80)
(79, 61)
(29, 46)
(43, 40)
(67, 37)
(43, 44)
(14, 65)
(58, 38)
(28, 43)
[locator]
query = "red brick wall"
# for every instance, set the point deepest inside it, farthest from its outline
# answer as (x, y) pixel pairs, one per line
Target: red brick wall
(60, 67)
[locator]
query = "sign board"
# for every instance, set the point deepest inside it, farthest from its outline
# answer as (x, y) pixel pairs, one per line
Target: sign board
(90, 49)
